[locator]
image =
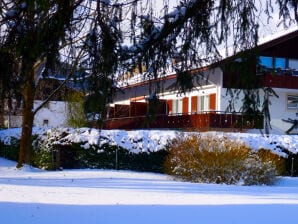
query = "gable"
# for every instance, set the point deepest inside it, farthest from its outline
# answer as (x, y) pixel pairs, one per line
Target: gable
(278, 60)
(286, 48)
(47, 85)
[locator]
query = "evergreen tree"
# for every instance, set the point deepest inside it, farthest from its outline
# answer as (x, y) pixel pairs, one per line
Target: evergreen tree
(32, 31)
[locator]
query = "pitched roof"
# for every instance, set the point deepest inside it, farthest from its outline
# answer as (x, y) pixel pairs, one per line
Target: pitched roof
(264, 43)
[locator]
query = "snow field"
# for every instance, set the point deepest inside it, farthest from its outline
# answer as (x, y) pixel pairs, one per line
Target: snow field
(105, 196)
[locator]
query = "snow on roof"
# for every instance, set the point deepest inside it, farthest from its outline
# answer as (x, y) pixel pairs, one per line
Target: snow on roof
(225, 53)
(276, 35)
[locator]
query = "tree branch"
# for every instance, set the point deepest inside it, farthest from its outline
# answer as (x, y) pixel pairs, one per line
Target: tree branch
(69, 76)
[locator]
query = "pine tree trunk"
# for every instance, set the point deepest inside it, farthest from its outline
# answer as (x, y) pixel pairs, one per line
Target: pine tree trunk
(1, 106)
(27, 120)
(1, 112)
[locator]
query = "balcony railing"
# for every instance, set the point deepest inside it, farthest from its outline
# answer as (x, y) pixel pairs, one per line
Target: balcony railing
(200, 121)
(276, 80)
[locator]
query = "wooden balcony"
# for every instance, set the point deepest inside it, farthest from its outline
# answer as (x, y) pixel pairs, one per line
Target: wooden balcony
(202, 121)
(277, 80)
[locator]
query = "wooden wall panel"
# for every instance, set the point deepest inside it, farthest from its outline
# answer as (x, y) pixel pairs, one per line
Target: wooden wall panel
(121, 110)
(138, 109)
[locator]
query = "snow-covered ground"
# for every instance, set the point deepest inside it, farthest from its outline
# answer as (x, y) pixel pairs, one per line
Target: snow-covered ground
(100, 196)
(106, 197)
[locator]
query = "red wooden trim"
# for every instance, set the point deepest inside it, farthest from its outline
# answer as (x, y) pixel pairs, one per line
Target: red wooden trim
(170, 106)
(185, 105)
(194, 104)
(212, 103)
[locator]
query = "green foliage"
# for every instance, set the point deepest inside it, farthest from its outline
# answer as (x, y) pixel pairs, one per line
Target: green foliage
(219, 160)
(39, 157)
(153, 161)
(76, 116)
(184, 81)
(105, 156)
(42, 159)
(101, 92)
(10, 151)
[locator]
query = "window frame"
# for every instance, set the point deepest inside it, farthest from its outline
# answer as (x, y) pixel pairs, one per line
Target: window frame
(203, 104)
(177, 106)
(288, 103)
(45, 122)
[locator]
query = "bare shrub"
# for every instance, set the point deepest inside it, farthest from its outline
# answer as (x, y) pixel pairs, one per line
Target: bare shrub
(213, 159)
(279, 162)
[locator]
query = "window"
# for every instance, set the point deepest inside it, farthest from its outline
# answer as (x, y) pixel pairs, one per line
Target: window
(289, 66)
(266, 61)
(45, 122)
(293, 64)
(177, 106)
(292, 101)
(270, 62)
(203, 103)
(280, 63)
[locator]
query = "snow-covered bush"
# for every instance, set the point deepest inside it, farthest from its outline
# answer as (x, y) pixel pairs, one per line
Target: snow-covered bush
(86, 148)
(258, 171)
(212, 159)
(268, 156)
(98, 156)
(144, 149)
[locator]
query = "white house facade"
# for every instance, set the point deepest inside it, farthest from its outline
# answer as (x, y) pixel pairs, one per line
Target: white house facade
(54, 114)
(279, 61)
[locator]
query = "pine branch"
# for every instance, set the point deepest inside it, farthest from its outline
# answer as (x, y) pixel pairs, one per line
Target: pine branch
(69, 76)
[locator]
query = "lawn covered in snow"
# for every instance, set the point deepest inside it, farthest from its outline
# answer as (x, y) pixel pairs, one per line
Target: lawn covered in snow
(105, 197)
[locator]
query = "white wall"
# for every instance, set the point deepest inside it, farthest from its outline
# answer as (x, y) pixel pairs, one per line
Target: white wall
(210, 85)
(278, 109)
(55, 112)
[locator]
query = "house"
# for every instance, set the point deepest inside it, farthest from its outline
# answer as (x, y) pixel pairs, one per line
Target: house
(55, 112)
(274, 64)
(52, 114)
